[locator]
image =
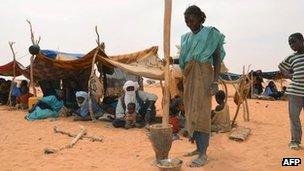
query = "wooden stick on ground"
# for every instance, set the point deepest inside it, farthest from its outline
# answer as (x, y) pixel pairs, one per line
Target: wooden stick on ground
(92, 138)
(70, 145)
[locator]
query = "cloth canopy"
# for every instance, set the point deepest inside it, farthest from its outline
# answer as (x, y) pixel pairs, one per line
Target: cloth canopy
(143, 63)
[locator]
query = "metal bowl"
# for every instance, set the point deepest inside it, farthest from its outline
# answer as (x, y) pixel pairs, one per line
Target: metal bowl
(170, 164)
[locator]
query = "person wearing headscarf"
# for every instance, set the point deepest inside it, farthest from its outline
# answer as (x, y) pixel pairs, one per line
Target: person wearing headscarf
(82, 99)
(15, 93)
(144, 102)
(47, 107)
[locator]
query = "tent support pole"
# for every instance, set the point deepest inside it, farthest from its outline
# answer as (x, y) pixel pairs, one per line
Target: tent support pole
(100, 47)
(32, 82)
(9, 102)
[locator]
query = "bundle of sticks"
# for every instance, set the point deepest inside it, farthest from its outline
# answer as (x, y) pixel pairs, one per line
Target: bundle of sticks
(81, 135)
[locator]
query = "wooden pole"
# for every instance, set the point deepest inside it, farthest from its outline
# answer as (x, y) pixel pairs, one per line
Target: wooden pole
(14, 73)
(32, 84)
(167, 30)
(99, 48)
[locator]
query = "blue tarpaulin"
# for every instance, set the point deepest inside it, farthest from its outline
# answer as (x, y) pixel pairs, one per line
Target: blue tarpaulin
(53, 54)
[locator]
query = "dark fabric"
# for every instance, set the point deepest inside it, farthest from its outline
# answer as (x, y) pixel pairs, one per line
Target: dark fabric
(120, 122)
(48, 87)
(41, 105)
(148, 111)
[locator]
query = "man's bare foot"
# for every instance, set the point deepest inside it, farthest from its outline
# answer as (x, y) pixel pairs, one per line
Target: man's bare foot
(199, 162)
(193, 153)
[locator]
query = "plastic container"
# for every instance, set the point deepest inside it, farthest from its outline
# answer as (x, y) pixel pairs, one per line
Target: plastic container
(32, 101)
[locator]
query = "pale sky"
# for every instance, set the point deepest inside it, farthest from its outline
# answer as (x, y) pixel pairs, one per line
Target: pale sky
(256, 30)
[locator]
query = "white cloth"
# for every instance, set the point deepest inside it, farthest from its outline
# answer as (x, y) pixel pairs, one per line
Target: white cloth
(82, 94)
(130, 96)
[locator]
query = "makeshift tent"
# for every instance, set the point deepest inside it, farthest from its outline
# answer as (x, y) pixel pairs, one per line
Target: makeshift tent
(53, 65)
(142, 63)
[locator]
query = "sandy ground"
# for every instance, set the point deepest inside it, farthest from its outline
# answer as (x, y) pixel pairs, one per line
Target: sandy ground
(22, 143)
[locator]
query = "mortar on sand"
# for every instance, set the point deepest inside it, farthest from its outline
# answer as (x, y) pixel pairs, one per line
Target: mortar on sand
(161, 139)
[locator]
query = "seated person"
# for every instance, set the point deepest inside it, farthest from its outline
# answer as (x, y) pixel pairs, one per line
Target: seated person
(15, 94)
(220, 118)
(70, 95)
(257, 83)
(22, 100)
(4, 91)
(177, 117)
(47, 88)
(145, 105)
(82, 113)
(272, 91)
(48, 106)
(130, 116)
(109, 104)
(177, 112)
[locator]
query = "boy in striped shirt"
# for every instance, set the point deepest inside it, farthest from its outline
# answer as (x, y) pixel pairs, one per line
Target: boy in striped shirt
(293, 66)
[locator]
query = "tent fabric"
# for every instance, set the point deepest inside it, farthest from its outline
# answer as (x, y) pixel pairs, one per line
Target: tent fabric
(225, 76)
(142, 63)
(8, 69)
(116, 81)
(274, 75)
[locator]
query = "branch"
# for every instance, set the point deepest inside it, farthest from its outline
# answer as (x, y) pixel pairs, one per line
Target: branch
(32, 34)
(38, 41)
(101, 46)
(12, 49)
(98, 39)
(70, 145)
(31, 30)
(92, 138)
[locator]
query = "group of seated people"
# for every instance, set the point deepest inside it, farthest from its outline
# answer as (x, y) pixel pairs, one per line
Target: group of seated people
(270, 91)
(19, 95)
(4, 90)
(134, 108)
